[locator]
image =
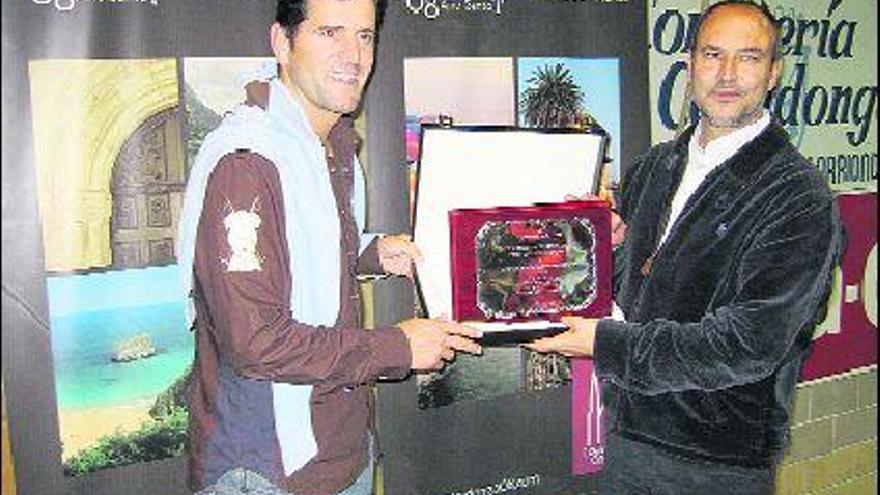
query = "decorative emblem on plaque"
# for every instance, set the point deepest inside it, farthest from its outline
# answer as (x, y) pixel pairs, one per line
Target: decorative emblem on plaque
(528, 268)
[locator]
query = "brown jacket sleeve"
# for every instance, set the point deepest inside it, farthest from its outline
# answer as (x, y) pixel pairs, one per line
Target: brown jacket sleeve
(368, 262)
(248, 295)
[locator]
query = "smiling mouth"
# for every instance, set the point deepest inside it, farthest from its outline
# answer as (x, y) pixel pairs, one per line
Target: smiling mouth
(344, 78)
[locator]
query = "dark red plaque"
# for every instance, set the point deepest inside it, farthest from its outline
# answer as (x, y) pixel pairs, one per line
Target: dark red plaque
(534, 263)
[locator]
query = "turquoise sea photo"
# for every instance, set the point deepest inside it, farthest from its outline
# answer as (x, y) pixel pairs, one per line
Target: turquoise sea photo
(93, 317)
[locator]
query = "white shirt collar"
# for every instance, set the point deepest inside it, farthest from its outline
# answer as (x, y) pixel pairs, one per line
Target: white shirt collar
(720, 149)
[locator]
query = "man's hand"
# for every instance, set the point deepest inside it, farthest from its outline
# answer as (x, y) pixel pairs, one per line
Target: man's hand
(618, 228)
(397, 254)
(434, 342)
(577, 341)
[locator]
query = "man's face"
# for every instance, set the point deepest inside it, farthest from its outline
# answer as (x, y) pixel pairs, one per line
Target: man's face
(331, 56)
(732, 68)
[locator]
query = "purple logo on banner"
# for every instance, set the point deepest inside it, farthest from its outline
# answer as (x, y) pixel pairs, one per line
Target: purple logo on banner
(587, 429)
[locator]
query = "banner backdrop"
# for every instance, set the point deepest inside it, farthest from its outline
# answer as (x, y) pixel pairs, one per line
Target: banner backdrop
(97, 123)
(826, 98)
(104, 103)
(500, 423)
(847, 339)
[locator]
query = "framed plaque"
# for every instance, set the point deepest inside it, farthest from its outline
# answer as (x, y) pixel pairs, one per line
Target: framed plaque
(506, 171)
(520, 269)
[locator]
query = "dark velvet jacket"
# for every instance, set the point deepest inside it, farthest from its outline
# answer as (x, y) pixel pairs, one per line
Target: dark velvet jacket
(720, 316)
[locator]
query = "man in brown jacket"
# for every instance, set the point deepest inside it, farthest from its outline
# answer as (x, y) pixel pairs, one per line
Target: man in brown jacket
(272, 228)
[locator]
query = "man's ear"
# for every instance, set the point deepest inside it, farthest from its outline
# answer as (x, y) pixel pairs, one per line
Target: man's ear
(775, 73)
(280, 43)
(689, 69)
(689, 64)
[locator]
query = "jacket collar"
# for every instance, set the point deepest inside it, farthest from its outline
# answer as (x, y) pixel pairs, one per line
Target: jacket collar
(257, 93)
(750, 158)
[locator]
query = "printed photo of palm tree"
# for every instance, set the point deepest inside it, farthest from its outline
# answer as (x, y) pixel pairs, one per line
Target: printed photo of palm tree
(552, 99)
(577, 93)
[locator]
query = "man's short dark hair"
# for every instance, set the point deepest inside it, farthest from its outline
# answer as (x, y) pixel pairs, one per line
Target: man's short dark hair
(290, 13)
(762, 8)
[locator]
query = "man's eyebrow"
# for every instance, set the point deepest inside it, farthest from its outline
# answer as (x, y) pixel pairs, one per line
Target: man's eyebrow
(339, 27)
(750, 49)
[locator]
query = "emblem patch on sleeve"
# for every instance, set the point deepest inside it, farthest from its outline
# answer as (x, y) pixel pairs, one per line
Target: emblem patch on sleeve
(242, 227)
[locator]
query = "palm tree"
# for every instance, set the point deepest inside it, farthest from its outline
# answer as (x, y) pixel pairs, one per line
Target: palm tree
(553, 99)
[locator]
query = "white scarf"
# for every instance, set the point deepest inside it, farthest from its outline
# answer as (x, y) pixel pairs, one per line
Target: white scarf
(312, 231)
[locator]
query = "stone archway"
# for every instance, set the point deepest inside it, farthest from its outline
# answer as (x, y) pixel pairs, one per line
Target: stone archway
(84, 111)
(147, 186)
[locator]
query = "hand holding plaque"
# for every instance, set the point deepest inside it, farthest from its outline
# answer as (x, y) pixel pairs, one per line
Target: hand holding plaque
(434, 342)
(578, 341)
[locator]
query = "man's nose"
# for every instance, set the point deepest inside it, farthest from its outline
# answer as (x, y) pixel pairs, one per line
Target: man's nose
(728, 69)
(352, 50)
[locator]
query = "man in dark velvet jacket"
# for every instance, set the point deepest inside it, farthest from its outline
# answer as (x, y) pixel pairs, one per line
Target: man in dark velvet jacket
(731, 242)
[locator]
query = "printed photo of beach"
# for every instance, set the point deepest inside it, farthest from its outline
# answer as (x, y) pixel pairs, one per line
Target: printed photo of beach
(111, 176)
(121, 350)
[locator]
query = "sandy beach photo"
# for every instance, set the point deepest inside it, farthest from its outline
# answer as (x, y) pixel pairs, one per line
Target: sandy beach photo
(81, 428)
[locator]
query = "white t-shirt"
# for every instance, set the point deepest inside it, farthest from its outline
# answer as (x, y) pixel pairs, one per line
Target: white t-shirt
(702, 160)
